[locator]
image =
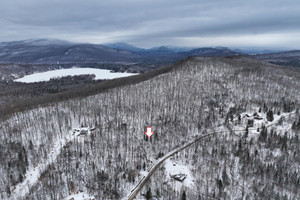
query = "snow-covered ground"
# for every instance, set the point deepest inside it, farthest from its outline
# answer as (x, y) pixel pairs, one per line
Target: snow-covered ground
(80, 196)
(46, 76)
(172, 168)
(33, 174)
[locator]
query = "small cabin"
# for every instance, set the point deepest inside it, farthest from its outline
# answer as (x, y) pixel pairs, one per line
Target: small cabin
(178, 177)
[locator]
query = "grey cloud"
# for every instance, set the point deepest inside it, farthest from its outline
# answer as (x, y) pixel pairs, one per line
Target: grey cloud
(147, 23)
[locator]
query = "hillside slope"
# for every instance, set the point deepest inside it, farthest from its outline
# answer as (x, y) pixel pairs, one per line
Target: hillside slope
(96, 144)
(287, 58)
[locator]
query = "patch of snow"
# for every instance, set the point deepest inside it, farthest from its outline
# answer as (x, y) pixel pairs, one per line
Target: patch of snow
(46, 76)
(172, 168)
(15, 75)
(80, 196)
(277, 153)
(143, 173)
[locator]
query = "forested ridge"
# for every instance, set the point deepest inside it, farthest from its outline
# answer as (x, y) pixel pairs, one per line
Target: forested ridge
(192, 97)
(16, 97)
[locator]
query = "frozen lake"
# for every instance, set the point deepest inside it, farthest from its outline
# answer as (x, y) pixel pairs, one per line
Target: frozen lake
(46, 76)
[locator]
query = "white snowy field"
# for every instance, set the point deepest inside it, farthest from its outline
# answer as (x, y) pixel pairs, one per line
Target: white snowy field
(46, 76)
(80, 196)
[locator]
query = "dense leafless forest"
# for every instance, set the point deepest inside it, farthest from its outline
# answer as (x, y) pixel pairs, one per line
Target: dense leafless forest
(43, 158)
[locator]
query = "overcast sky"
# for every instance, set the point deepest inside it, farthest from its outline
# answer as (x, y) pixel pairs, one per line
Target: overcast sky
(148, 23)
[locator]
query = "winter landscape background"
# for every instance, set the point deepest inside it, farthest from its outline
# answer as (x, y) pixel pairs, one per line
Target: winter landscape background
(197, 96)
(83, 85)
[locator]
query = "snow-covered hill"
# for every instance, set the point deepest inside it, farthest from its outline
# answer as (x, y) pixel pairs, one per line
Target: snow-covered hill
(244, 160)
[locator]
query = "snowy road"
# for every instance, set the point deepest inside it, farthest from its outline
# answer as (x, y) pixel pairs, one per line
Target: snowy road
(140, 185)
(33, 174)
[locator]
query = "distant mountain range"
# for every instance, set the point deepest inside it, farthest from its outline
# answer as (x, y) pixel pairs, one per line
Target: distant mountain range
(52, 51)
(57, 51)
(125, 46)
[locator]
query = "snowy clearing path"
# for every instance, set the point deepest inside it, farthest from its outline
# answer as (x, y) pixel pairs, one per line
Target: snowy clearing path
(33, 174)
